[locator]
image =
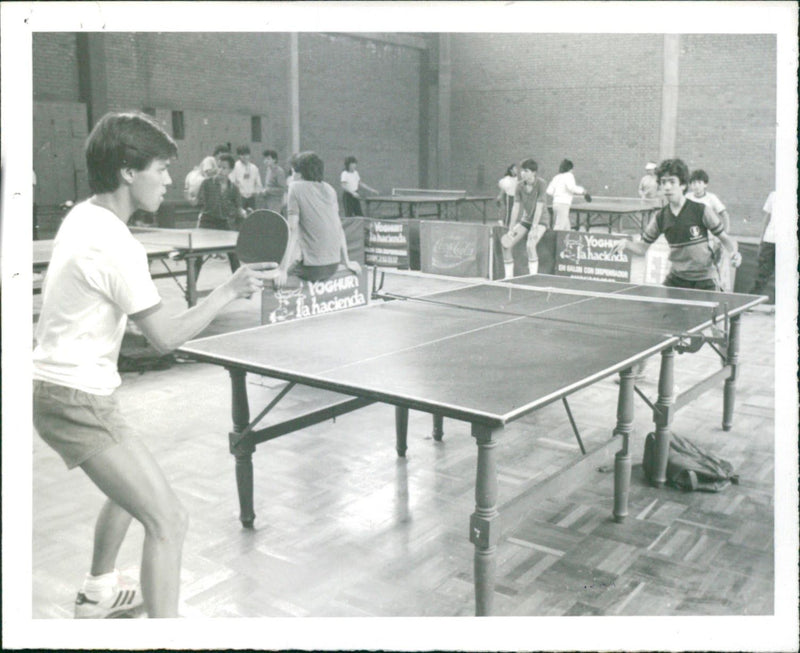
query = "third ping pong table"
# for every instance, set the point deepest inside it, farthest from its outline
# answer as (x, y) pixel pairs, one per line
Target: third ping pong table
(409, 202)
(487, 353)
(610, 212)
(191, 246)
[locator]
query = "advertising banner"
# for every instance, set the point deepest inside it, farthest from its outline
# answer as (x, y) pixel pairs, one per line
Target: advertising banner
(300, 299)
(455, 249)
(588, 255)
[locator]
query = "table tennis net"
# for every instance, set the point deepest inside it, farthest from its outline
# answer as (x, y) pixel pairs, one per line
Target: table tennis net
(428, 192)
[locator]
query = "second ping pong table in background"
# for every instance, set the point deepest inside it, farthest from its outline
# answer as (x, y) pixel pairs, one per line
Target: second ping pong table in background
(613, 212)
(487, 353)
(191, 246)
(408, 202)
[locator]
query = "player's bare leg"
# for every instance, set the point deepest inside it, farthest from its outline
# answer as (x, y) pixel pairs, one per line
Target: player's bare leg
(109, 532)
(534, 236)
(129, 475)
(508, 240)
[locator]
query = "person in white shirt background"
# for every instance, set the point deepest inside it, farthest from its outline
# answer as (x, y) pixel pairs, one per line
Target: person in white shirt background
(508, 187)
(648, 186)
(247, 178)
(351, 183)
(698, 192)
(191, 186)
(562, 187)
(766, 249)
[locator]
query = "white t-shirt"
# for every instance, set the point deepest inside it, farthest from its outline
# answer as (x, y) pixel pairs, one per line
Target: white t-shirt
(709, 199)
(350, 181)
(562, 187)
(98, 275)
(247, 178)
(508, 185)
(769, 232)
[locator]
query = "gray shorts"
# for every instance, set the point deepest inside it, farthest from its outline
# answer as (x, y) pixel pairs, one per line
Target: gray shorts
(77, 424)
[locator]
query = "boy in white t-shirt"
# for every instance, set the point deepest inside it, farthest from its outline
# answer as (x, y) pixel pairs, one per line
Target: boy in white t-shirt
(98, 277)
(561, 188)
(351, 184)
(766, 249)
(247, 178)
(698, 192)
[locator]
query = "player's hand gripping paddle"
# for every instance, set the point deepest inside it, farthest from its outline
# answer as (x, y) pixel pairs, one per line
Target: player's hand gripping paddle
(263, 237)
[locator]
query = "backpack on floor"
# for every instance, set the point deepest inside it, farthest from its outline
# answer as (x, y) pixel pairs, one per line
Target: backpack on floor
(689, 467)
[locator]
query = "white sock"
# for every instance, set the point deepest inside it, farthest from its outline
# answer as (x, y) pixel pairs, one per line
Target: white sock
(99, 587)
(509, 269)
(533, 266)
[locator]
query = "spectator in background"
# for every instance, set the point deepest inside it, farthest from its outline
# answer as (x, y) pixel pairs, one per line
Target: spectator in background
(351, 184)
(317, 242)
(247, 178)
(220, 204)
(508, 187)
(222, 149)
(526, 216)
(766, 249)
(191, 186)
(698, 183)
(35, 212)
(274, 183)
(648, 186)
(562, 187)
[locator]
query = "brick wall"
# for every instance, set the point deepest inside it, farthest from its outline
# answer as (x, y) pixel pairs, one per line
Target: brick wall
(361, 98)
(592, 98)
(596, 99)
(55, 67)
(726, 119)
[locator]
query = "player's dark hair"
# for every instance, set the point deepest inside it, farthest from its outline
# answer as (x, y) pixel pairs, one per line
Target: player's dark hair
(698, 175)
(221, 149)
(228, 158)
(565, 166)
(510, 172)
(124, 140)
(673, 168)
(348, 160)
(271, 154)
(242, 149)
(309, 165)
(529, 164)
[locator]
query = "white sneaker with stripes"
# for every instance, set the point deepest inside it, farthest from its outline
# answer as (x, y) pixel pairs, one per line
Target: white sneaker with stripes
(124, 600)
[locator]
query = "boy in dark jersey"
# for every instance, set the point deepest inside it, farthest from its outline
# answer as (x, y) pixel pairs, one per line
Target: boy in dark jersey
(686, 225)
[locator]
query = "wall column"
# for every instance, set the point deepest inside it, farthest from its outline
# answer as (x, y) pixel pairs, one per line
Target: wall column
(669, 97)
(443, 123)
(294, 94)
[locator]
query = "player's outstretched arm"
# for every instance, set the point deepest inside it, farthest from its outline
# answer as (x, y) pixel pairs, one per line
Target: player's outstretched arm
(167, 332)
(638, 247)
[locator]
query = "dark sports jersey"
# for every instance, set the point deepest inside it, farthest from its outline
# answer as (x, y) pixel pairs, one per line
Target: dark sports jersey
(528, 196)
(690, 253)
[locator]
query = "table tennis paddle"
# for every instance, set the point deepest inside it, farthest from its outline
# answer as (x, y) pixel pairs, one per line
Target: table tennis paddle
(263, 237)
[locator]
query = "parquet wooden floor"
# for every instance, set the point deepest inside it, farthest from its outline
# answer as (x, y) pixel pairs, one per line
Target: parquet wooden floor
(345, 528)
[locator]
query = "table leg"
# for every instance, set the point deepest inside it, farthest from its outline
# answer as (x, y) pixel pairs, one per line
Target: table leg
(483, 525)
(401, 430)
(622, 459)
(191, 281)
(438, 427)
(241, 447)
(729, 393)
(662, 416)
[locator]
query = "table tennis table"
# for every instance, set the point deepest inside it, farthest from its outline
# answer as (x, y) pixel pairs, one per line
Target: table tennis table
(409, 201)
(610, 212)
(488, 353)
(188, 245)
